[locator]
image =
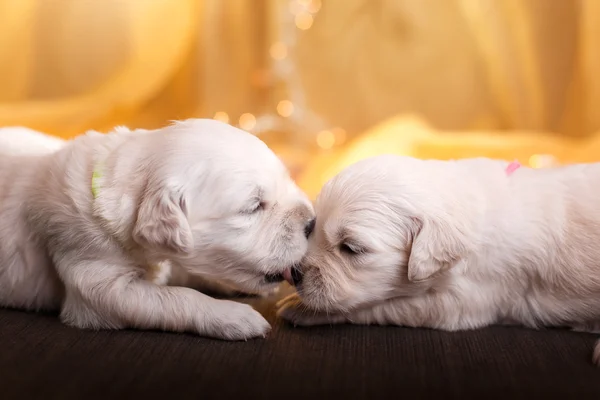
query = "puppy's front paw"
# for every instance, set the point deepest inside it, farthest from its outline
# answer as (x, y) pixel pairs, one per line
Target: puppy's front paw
(292, 309)
(236, 321)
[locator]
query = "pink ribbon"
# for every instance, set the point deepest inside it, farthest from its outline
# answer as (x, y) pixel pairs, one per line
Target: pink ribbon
(512, 167)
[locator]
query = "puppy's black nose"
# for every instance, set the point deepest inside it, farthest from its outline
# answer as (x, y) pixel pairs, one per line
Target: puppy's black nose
(309, 228)
(296, 276)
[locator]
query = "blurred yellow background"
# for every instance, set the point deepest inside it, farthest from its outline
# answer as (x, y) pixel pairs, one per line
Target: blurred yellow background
(323, 82)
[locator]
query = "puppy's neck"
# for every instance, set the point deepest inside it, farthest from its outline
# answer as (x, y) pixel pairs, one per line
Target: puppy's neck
(119, 173)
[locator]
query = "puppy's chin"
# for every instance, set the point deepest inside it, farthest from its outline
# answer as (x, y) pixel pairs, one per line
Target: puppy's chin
(324, 296)
(261, 268)
(335, 297)
(323, 289)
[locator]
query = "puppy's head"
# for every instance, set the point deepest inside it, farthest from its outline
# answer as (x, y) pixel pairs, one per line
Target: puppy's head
(385, 228)
(220, 202)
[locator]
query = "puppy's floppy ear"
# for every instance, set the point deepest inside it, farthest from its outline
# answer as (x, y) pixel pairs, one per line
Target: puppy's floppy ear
(162, 221)
(437, 246)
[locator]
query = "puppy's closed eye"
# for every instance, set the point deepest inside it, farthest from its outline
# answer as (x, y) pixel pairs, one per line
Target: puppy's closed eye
(350, 248)
(256, 203)
(255, 206)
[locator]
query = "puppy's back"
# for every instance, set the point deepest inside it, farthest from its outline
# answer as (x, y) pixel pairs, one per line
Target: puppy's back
(25, 141)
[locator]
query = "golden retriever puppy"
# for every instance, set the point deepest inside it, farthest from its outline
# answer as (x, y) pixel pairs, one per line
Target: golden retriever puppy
(25, 141)
(453, 245)
(103, 227)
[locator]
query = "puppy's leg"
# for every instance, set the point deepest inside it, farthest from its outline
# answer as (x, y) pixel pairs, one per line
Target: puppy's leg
(432, 311)
(220, 288)
(180, 277)
(213, 287)
(112, 296)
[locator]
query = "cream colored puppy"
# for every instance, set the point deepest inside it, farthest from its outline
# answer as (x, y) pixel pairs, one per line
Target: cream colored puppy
(453, 245)
(83, 228)
(26, 141)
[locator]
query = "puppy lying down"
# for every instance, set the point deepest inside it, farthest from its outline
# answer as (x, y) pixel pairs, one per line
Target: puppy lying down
(117, 230)
(25, 141)
(453, 245)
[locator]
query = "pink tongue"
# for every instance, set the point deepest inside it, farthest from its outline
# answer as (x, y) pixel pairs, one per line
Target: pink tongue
(287, 275)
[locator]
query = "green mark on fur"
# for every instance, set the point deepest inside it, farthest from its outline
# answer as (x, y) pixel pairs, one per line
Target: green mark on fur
(96, 174)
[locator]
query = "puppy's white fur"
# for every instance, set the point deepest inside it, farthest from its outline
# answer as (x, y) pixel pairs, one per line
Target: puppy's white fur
(454, 245)
(24, 141)
(211, 200)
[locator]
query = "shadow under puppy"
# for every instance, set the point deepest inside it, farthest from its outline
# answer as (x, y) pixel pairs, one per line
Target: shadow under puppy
(453, 245)
(83, 228)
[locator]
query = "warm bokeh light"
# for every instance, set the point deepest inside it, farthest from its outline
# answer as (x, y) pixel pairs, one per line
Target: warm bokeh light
(534, 161)
(541, 161)
(221, 116)
(304, 21)
(325, 140)
(285, 108)
(247, 121)
(278, 50)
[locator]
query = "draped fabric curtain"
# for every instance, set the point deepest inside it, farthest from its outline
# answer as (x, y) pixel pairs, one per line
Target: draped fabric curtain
(71, 65)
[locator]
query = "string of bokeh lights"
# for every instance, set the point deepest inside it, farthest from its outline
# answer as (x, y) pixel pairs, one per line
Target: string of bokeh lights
(298, 16)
